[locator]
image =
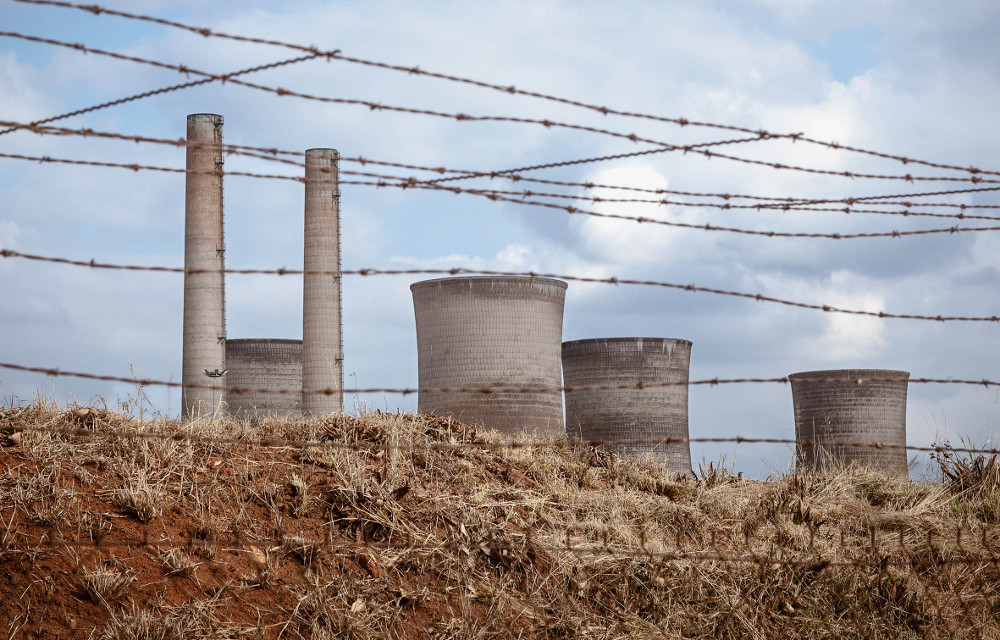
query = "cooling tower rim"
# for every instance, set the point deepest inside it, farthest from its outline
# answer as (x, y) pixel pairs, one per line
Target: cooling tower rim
(894, 375)
(623, 340)
(458, 280)
(212, 116)
(320, 151)
(264, 340)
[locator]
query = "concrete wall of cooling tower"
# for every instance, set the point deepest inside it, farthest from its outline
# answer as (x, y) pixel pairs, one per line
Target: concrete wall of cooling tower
(615, 415)
(491, 331)
(323, 353)
(863, 406)
(264, 363)
(204, 251)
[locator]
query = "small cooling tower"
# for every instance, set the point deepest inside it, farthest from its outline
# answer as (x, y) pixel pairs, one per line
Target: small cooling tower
(854, 406)
(264, 363)
(616, 415)
(204, 336)
(491, 331)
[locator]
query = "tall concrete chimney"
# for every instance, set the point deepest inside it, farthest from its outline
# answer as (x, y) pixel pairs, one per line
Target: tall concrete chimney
(322, 345)
(204, 248)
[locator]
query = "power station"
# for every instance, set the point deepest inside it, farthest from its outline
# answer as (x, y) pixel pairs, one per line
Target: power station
(315, 363)
(499, 333)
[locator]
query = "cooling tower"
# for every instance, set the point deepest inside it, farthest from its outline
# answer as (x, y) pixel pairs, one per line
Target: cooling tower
(264, 363)
(491, 331)
(322, 346)
(863, 406)
(615, 415)
(204, 250)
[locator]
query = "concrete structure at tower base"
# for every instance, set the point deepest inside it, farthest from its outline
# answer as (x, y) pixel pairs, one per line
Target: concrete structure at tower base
(264, 363)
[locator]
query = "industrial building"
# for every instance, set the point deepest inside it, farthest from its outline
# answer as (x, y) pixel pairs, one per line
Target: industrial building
(502, 333)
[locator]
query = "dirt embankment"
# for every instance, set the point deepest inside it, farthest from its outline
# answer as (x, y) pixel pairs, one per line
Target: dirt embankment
(414, 527)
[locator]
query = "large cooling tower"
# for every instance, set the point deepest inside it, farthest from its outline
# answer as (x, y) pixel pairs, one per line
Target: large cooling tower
(264, 363)
(491, 331)
(204, 251)
(615, 415)
(322, 347)
(853, 406)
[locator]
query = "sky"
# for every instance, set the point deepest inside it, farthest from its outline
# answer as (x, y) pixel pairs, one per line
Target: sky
(913, 79)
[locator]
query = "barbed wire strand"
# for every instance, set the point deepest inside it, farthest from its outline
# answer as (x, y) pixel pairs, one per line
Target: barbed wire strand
(454, 271)
(568, 163)
(405, 183)
(502, 389)
(272, 153)
(288, 543)
(186, 435)
(375, 106)
(142, 167)
(336, 54)
(724, 196)
(462, 117)
(923, 194)
(156, 92)
(725, 206)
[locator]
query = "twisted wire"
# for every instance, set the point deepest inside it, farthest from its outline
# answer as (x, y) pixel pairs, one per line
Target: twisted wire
(336, 54)
(454, 271)
(548, 124)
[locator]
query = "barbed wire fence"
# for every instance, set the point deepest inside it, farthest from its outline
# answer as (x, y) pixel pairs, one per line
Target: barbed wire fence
(980, 551)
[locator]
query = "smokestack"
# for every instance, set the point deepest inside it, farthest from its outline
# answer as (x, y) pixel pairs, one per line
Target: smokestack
(322, 345)
(204, 248)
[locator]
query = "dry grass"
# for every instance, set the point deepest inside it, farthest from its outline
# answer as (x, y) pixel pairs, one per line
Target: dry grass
(106, 584)
(382, 528)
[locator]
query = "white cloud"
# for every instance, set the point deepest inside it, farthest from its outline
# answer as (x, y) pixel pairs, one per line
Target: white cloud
(840, 340)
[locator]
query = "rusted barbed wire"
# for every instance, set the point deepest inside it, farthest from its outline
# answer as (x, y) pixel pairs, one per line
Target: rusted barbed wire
(156, 92)
(453, 271)
(530, 542)
(725, 206)
(303, 443)
(712, 382)
(141, 167)
(462, 117)
(376, 106)
(404, 183)
(568, 163)
(336, 54)
(519, 197)
(724, 196)
(923, 194)
(273, 153)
